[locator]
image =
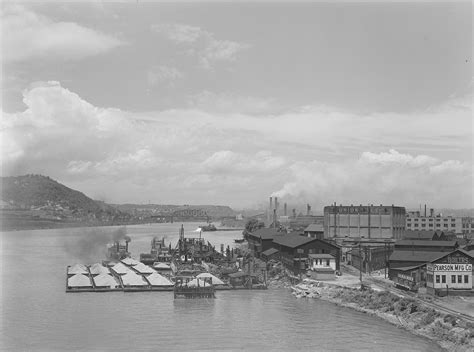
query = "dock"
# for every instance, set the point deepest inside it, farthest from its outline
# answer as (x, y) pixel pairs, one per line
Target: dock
(196, 288)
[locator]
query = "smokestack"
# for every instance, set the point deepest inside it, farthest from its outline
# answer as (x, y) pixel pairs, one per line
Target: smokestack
(294, 213)
(425, 210)
(270, 209)
(276, 204)
(432, 213)
(308, 209)
(284, 209)
(274, 218)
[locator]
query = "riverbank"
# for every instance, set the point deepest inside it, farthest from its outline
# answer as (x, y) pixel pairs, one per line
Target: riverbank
(450, 332)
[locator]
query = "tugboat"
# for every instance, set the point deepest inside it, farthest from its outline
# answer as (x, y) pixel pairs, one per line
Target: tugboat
(208, 227)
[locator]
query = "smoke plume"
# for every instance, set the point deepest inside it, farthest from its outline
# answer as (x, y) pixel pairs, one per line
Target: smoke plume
(90, 245)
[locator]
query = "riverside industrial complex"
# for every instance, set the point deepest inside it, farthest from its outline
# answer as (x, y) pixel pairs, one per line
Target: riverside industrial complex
(419, 251)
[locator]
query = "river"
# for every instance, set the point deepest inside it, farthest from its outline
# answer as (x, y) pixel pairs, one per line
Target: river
(37, 314)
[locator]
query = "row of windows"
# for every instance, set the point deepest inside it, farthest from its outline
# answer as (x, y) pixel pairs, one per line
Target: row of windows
(431, 225)
(430, 220)
(453, 279)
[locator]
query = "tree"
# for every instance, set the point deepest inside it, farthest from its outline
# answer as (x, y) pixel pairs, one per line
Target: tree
(253, 225)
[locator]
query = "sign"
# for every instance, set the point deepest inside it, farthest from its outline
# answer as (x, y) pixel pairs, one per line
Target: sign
(429, 267)
(452, 267)
(405, 277)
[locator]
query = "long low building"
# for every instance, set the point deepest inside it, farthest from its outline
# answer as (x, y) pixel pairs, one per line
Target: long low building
(432, 246)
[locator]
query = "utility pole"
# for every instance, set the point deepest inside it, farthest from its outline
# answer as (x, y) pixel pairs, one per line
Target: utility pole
(360, 265)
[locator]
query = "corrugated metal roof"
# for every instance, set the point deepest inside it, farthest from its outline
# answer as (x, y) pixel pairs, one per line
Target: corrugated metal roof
(266, 233)
(416, 256)
(270, 251)
(315, 228)
(426, 243)
(292, 241)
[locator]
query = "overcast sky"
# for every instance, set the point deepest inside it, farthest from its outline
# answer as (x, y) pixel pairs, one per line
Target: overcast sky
(231, 103)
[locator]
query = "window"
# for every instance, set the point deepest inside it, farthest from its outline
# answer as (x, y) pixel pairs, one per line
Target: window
(459, 279)
(327, 262)
(466, 279)
(437, 279)
(423, 225)
(453, 279)
(445, 225)
(443, 279)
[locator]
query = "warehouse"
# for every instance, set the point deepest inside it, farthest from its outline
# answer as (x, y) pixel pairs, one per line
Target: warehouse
(262, 239)
(433, 246)
(450, 273)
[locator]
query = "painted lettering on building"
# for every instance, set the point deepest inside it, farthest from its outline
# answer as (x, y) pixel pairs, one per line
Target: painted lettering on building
(451, 267)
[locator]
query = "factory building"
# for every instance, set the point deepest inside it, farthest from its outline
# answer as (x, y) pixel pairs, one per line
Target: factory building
(416, 220)
(369, 222)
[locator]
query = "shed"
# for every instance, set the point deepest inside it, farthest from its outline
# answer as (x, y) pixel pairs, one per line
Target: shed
(321, 273)
(322, 260)
(271, 253)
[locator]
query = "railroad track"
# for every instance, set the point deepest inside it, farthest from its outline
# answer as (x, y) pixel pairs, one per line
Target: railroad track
(433, 305)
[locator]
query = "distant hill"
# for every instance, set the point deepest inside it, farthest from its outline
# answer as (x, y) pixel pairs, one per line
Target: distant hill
(37, 192)
(214, 211)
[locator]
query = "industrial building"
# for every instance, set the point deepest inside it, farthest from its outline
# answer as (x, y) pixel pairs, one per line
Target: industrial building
(262, 239)
(369, 222)
(416, 220)
(432, 246)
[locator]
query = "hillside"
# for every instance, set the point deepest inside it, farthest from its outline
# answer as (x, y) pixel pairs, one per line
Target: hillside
(214, 211)
(36, 201)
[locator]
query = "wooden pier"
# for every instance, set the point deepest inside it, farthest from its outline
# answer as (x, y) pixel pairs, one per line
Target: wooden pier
(203, 288)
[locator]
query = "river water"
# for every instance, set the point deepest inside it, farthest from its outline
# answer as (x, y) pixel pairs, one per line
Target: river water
(37, 314)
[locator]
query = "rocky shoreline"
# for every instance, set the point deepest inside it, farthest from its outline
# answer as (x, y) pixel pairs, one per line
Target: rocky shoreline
(449, 332)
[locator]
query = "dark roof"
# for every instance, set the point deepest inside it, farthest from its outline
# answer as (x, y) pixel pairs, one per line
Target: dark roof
(416, 243)
(315, 228)
(328, 270)
(270, 251)
(420, 235)
(292, 241)
(321, 256)
(266, 233)
(416, 256)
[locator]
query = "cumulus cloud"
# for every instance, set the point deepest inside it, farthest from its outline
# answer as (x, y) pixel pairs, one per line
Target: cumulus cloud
(201, 43)
(383, 177)
(315, 154)
(30, 35)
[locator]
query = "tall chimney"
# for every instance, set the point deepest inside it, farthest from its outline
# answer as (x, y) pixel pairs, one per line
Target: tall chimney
(274, 218)
(425, 210)
(276, 204)
(294, 213)
(284, 209)
(308, 209)
(432, 213)
(270, 211)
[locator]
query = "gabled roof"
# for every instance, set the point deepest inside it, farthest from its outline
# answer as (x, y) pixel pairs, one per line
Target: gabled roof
(270, 251)
(416, 256)
(292, 241)
(79, 280)
(315, 228)
(416, 243)
(420, 235)
(162, 266)
(120, 268)
(265, 233)
(321, 256)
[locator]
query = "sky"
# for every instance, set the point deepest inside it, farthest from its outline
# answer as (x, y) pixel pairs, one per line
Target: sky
(230, 103)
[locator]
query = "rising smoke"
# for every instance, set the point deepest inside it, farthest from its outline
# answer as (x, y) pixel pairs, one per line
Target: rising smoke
(90, 245)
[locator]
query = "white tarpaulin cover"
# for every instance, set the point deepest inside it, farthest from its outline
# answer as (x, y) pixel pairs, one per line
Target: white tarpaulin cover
(202, 283)
(161, 266)
(119, 268)
(97, 268)
(144, 269)
(130, 261)
(105, 280)
(132, 279)
(215, 279)
(79, 280)
(77, 269)
(156, 279)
